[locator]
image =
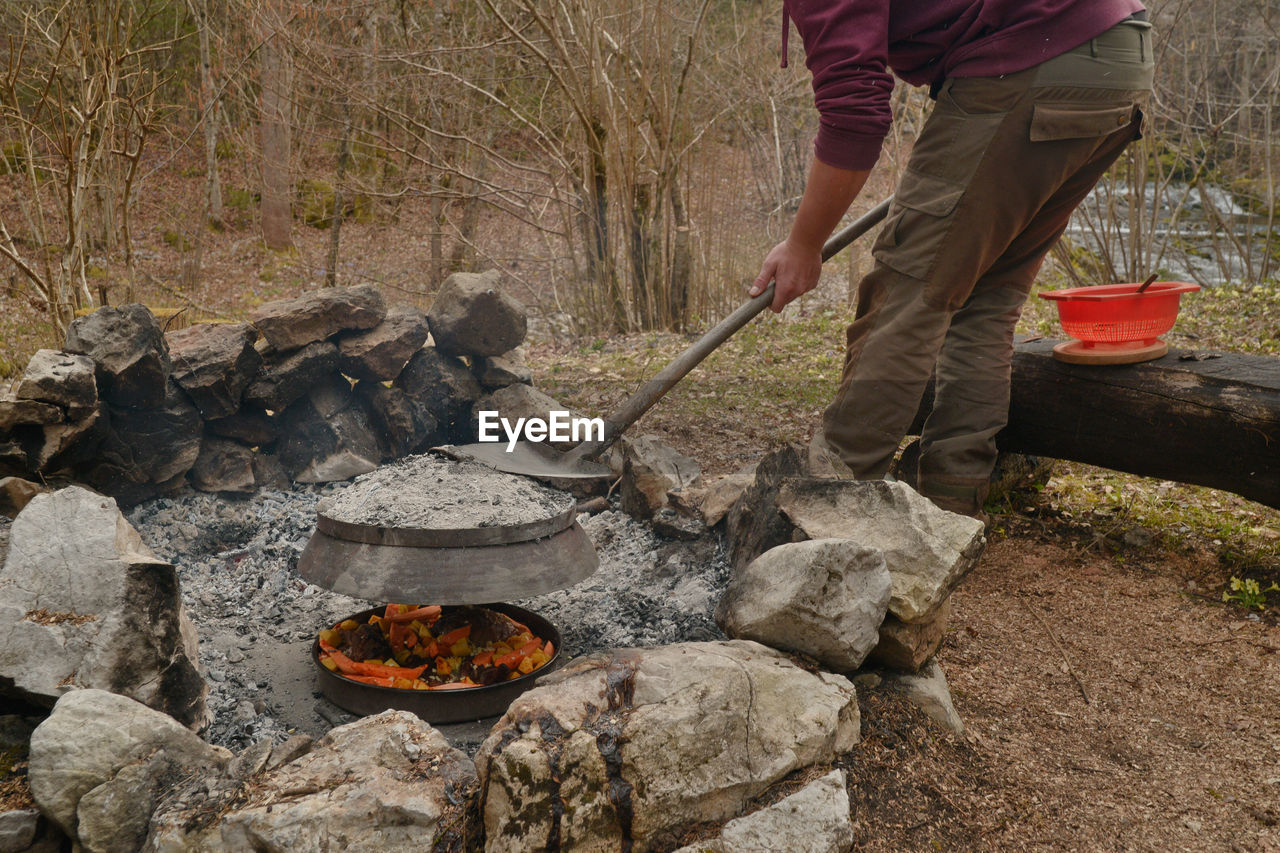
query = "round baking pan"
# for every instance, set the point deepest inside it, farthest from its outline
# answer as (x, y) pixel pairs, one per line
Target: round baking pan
(437, 706)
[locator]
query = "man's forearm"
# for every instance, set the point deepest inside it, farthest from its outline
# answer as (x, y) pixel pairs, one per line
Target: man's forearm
(827, 196)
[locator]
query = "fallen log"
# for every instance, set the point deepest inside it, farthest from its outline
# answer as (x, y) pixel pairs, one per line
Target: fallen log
(1209, 418)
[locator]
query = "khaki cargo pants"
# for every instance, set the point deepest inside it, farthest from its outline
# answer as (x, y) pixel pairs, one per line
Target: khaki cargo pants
(989, 187)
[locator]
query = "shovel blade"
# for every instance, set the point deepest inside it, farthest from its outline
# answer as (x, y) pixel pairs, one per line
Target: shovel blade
(529, 459)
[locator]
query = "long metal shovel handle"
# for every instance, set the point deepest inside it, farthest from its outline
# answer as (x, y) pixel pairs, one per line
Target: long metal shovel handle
(652, 391)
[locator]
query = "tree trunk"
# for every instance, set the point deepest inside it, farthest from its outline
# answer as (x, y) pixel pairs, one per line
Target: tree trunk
(276, 131)
(1212, 419)
(209, 111)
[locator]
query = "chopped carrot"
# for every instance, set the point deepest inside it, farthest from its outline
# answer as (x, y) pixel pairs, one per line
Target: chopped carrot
(397, 635)
(550, 649)
(483, 659)
(455, 635)
(451, 685)
(429, 613)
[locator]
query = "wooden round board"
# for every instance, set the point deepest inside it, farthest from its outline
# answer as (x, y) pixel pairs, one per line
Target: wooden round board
(1075, 352)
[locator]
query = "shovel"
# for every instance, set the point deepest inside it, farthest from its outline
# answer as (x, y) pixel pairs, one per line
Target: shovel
(542, 461)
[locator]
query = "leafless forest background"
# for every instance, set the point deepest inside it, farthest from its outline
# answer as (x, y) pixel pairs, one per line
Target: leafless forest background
(627, 163)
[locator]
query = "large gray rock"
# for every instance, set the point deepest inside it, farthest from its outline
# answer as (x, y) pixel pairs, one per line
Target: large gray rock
(213, 363)
(224, 466)
(651, 469)
(16, 493)
(389, 783)
(90, 737)
(910, 645)
(381, 352)
(288, 324)
(84, 603)
(499, 371)
(284, 379)
(928, 691)
(128, 349)
(49, 445)
(145, 452)
(253, 427)
(327, 435)
(720, 496)
(60, 378)
(472, 315)
(18, 829)
(644, 741)
(824, 598)
(443, 386)
(523, 401)
(15, 412)
(814, 819)
(754, 524)
(401, 424)
(928, 550)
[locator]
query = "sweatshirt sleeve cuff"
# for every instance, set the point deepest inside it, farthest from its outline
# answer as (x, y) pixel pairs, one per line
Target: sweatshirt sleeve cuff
(847, 149)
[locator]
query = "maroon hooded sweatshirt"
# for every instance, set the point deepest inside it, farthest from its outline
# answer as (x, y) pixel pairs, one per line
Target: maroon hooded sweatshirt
(850, 46)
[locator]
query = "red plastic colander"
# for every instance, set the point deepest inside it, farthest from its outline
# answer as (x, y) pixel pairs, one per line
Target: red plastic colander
(1117, 313)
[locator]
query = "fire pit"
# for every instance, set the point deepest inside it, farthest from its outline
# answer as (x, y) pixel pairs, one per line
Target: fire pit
(447, 532)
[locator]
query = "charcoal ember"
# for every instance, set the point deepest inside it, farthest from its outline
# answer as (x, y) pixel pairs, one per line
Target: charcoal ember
(327, 435)
(402, 425)
(443, 386)
(253, 427)
(289, 324)
(472, 315)
(381, 353)
(213, 363)
(60, 378)
(284, 379)
(129, 352)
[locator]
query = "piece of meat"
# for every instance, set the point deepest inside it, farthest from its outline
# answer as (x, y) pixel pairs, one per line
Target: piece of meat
(365, 643)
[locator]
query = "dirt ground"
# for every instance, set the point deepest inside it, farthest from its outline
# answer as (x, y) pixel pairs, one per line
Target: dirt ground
(1176, 747)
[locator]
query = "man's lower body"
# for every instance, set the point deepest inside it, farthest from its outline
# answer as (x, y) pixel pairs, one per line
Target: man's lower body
(990, 186)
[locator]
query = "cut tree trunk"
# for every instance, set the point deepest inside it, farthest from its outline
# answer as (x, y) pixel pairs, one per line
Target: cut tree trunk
(1212, 419)
(276, 130)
